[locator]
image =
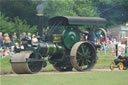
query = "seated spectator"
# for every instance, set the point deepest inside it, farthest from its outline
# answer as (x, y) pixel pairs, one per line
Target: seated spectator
(11, 53)
(17, 45)
(6, 52)
(1, 53)
(29, 36)
(1, 40)
(7, 40)
(22, 35)
(14, 38)
(34, 39)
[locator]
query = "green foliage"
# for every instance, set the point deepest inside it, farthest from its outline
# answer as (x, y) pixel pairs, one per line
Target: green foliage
(114, 1)
(24, 9)
(71, 8)
(107, 1)
(85, 8)
(21, 26)
(4, 26)
(115, 11)
(17, 25)
(60, 8)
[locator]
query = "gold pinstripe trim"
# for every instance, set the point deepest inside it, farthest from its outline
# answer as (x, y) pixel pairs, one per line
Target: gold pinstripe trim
(63, 49)
(47, 48)
(54, 49)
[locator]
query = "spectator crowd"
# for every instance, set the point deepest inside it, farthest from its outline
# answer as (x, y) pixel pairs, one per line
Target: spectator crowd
(109, 41)
(8, 43)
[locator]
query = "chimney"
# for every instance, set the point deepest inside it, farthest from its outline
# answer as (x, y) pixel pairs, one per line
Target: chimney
(40, 24)
(42, 20)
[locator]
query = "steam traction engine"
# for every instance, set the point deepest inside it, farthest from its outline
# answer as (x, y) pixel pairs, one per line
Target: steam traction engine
(61, 43)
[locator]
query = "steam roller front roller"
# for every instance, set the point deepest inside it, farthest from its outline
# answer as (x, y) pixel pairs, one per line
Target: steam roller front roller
(26, 63)
(83, 56)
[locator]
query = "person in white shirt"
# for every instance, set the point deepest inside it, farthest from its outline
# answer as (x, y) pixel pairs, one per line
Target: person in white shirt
(34, 39)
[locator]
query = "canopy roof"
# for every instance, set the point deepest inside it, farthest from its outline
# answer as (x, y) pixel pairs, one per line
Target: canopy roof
(73, 20)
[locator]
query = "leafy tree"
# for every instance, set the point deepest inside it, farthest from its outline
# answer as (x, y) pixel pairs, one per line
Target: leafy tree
(24, 9)
(115, 11)
(60, 8)
(18, 25)
(71, 8)
(85, 8)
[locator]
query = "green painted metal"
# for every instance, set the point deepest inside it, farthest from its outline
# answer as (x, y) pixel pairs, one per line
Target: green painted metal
(59, 49)
(51, 48)
(57, 38)
(54, 49)
(71, 36)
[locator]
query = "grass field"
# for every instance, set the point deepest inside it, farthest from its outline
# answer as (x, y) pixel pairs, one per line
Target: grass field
(103, 61)
(86, 78)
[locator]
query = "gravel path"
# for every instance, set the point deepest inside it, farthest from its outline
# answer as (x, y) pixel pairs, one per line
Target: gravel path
(56, 72)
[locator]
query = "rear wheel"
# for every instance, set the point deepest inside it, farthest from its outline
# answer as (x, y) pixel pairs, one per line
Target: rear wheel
(83, 56)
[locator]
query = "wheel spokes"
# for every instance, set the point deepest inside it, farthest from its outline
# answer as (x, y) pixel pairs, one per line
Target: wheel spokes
(79, 53)
(83, 50)
(84, 56)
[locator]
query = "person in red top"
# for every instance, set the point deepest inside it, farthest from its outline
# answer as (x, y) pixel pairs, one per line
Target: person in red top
(122, 42)
(101, 39)
(116, 37)
(102, 43)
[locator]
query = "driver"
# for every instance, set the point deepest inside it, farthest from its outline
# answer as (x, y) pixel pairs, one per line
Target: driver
(91, 35)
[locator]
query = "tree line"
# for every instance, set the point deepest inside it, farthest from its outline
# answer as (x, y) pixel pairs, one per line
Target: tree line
(21, 14)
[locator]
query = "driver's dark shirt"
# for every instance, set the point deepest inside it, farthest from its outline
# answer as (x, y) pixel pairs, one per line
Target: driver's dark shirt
(91, 36)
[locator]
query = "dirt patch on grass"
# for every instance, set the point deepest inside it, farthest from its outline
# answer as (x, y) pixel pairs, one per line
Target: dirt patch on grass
(6, 73)
(57, 72)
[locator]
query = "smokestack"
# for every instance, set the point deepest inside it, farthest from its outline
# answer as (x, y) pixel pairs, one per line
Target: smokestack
(40, 17)
(40, 24)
